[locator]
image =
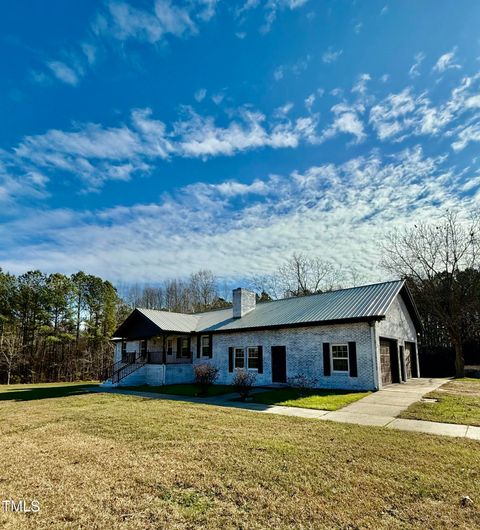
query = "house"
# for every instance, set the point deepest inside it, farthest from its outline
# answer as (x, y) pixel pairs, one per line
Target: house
(359, 338)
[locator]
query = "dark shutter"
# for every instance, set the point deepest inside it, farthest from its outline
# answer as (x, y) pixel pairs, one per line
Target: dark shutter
(352, 358)
(260, 359)
(230, 359)
(199, 342)
(326, 359)
(210, 342)
(189, 347)
(179, 347)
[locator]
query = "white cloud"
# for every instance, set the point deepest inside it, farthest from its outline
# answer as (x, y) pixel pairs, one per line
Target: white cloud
(357, 28)
(446, 62)
(400, 115)
(122, 21)
(296, 68)
(271, 8)
(469, 134)
(63, 72)
(309, 101)
(331, 55)
(118, 20)
(218, 98)
(361, 85)
(200, 94)
(220, 226)
(346, 121)
(278, 73)
(94, 154)
(415, 68)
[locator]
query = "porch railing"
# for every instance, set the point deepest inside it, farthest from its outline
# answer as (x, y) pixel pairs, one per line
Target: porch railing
(157, 357)
(127, 369)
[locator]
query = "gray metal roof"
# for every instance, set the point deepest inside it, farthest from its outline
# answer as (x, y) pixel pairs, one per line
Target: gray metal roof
(168, 321)
(357, 303)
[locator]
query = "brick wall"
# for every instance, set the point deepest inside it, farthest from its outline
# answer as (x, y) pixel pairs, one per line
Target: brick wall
(304, 347)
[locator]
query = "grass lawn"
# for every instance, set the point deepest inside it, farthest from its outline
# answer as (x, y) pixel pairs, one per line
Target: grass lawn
(105, 461)
(458, 402)
(45, 390)
(182, 390)
(313, 399)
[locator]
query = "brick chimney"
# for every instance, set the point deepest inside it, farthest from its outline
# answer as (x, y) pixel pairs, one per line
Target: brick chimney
(244, 301)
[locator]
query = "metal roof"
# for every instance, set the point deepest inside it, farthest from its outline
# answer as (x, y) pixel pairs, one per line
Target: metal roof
(357, 303)
(362, 303)
(168, 321)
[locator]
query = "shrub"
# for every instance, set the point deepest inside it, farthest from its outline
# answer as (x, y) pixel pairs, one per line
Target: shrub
(303, 383)
(243, 382)
(205, 375)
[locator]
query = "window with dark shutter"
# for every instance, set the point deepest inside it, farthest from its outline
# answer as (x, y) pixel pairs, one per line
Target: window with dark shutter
(326, 359)
(124, 351)
(352, 357)
(210, 353)
(260, 359)
(199, 341)
(179, 347)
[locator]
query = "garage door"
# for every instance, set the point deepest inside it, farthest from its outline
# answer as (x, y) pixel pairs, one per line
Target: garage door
(385, 362)
(408, 359)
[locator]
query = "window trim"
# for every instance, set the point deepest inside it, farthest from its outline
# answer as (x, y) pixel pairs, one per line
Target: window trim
(185, 352)
(235, 367)
(248, 357)
(347, 358)
(209, 347)
(169, 346)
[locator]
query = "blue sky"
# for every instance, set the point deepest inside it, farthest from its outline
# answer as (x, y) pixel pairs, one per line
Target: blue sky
(144, 140)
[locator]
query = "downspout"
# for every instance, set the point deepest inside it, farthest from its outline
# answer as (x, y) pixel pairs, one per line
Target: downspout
(376, 360)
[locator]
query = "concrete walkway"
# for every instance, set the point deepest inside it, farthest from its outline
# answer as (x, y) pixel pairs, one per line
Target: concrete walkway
(379, 409)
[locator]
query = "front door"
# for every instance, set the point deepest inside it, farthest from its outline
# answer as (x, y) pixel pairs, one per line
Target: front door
(279, 364)
(385, 362)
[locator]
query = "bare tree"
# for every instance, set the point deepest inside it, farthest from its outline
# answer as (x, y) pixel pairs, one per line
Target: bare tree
(300, 275)
(434, 258)
(203, 290)
(10, 350)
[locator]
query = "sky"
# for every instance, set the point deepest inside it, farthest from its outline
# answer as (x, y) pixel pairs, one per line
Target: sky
(146, 140)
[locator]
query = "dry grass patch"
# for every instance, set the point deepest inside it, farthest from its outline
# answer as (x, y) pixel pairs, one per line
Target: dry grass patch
(103, 461)
(457, 401)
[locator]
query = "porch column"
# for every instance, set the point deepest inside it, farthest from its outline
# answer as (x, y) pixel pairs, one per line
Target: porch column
(164, 352)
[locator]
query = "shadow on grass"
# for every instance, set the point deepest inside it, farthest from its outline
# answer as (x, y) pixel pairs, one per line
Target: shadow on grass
(30, 393)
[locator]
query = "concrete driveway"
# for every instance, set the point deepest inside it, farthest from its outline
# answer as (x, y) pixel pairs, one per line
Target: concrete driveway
(382, 407)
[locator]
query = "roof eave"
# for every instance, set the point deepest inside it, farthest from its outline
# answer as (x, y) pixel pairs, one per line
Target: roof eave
(352, 320)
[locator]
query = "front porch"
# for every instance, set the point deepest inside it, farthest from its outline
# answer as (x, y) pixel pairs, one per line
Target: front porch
(155, 360)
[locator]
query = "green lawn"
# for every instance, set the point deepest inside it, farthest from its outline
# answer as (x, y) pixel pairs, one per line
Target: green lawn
(107, 461)
(183, 390)
(45, 390)
(458, 402)
(312, 399)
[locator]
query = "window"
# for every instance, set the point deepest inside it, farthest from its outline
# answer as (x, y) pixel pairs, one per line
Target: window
(143, 348)
(339, 357)
(205, 342)
(124, 352)
(253, 358)
(239, 358)
(169, 346)
(185, 347)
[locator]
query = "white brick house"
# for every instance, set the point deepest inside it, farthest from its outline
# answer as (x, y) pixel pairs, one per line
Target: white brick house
(358, 338)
